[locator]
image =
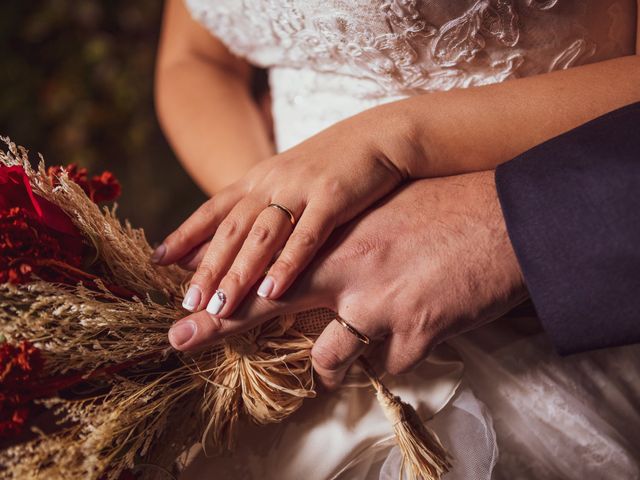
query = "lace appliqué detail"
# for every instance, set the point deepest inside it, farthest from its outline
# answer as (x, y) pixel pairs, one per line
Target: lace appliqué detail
(462, 38)
(574, 54)
(392, 42)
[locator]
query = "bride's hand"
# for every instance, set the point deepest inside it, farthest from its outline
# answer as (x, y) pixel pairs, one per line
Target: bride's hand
(434, 260)
(317, 185)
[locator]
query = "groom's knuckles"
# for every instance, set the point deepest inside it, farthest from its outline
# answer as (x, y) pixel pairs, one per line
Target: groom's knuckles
(356, 251)
(404, 352)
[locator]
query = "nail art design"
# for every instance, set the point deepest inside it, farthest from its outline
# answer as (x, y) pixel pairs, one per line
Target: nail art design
(217, 302)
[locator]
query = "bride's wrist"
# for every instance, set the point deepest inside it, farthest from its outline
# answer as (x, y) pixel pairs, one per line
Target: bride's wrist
(400, 138)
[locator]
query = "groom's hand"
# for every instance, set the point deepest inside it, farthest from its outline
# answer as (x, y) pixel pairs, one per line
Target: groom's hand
(432, 261)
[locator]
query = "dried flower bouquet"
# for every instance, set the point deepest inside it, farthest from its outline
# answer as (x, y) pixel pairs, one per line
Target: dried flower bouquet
(89, 386)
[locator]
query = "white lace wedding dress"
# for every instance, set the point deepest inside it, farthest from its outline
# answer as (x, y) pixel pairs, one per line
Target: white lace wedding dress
(503, 402)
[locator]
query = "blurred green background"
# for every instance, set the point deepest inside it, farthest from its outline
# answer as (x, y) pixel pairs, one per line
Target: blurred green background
(76, 84)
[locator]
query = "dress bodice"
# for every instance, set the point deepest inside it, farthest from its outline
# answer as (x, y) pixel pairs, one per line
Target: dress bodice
(409, 45)
(329, 59)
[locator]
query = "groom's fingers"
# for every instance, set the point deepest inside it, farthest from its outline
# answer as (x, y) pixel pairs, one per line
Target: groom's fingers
(335, 350)
(404, 352)
(201, 329)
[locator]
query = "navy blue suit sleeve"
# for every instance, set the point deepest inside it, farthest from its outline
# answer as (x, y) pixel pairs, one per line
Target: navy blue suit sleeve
(572, 210)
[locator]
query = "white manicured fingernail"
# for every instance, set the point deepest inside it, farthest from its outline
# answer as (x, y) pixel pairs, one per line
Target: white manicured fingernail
(192, 298)
(266, 287)
(217, 302)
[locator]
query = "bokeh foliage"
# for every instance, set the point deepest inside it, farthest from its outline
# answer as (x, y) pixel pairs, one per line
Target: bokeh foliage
(76, 84)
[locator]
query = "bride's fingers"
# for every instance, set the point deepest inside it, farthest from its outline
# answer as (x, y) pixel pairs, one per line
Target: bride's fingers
(200, 329)
(192, 259)
(267, 235)
(314, 289)
(219, 256)
(311, 231)
(200, 226)
(335, 350)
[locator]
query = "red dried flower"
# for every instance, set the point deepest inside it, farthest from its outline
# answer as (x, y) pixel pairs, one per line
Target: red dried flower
(105, 187)
(76, 174)
(23, 380)
(19, 364)
(36, 236)
(15, 191)
(101, 188)
(20, 367)
(28, 247)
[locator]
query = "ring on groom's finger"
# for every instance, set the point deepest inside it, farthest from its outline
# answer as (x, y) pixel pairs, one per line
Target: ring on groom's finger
(353, 331)
(284, 210)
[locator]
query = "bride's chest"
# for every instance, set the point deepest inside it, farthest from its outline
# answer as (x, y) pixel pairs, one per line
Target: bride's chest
(407, 39)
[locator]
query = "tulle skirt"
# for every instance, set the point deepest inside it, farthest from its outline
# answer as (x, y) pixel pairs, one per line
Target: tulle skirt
(503, 403)
(555, 417)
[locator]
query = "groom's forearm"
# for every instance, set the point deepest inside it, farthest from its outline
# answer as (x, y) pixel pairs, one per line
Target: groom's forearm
(572, 209)
(476, 129)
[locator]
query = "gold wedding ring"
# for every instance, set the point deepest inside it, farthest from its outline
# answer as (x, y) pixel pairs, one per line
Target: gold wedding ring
(284, 210)
(360, 336)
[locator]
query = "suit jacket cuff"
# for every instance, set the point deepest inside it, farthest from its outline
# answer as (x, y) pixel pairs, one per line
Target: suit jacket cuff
(572, 210)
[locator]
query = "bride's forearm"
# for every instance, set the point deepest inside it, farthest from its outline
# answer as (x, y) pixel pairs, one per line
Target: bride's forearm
(478, 128)
(212, 124)
(205, 105)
